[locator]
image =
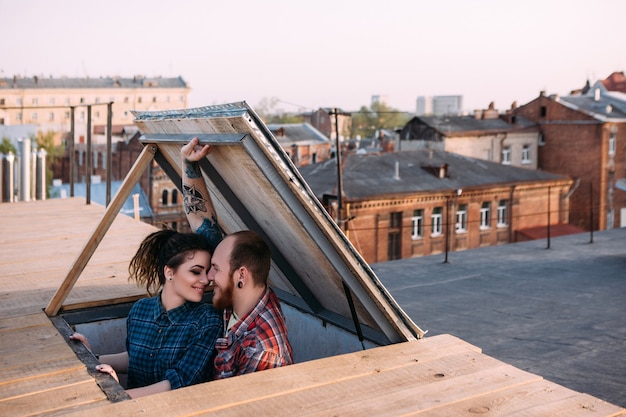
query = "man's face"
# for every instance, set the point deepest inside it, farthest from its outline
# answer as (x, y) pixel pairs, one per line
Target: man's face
(219, 275)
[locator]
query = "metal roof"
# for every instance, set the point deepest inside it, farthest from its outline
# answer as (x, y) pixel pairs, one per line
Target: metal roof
(297, 133)
(98, 195)
(396, 173)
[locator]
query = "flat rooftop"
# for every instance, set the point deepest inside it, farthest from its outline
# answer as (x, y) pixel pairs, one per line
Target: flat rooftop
(558, 312)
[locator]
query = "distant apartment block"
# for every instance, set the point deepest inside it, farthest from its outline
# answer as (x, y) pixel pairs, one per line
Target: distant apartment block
(48, 102)
(380, 99)
(439, 105)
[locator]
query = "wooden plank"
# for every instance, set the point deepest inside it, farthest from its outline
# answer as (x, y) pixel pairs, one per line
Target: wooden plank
(56, 399)
(113, 210)
(44, 382)
(542, 398)
(289, 386)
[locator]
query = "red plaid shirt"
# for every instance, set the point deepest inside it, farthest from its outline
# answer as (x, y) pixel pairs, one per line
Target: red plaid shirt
(256, 342)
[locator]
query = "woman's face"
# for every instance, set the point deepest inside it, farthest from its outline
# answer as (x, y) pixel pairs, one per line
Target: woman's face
(189, 280)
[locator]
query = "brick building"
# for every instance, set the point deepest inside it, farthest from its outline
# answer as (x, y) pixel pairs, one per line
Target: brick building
(323, 119)
(399, 205)
(584, 136)
(303, 143)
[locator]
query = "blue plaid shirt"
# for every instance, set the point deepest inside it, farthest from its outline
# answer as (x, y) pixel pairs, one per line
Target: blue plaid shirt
(177, 345)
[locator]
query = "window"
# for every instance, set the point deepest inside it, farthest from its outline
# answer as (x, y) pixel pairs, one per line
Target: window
(51, 116)
(164, 197)
(35, 101)
(1, 120)
(125, 99)
(436, 219)
(543, 111)
(82, 100)
(34, 116)
(19, 116)
(393, 246)
(154, 99)
(19, 101)
(174, 197)
(526, 154)
(1, 102)
(51, 101)
(484, 215)
(461, 218)
(502, 213)
(417, 224)
(139, 99)
(395, 220)
(506, 155)
(542, 139)
(67, 115)
(97, 100)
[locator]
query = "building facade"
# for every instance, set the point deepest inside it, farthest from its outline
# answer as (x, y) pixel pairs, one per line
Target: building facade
(484, 135)
(584, 136)
(418, 203)
(50, 102)
(302, 142)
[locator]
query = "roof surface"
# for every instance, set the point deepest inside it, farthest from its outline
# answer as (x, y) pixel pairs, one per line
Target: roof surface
(456, 125)
(558, 312)
(86, 83)
(297, 133)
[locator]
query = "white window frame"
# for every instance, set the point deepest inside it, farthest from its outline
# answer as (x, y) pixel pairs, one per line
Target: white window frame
(526, 154)
(506, 155)
(503, 213)
(436, 218)
(461, 218)
(485, 214)
(612, 145)
(417, 224)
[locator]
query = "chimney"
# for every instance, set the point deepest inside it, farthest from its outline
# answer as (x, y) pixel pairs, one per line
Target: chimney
(396, 175)
(443, 171)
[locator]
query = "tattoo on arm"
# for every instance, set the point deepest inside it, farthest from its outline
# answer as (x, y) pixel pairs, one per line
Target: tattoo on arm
(212, 231)
(193, 200)
(192, 169)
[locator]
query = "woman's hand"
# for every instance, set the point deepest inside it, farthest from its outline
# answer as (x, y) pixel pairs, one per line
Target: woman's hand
(107, 369)
(194, 152)
(81, 338)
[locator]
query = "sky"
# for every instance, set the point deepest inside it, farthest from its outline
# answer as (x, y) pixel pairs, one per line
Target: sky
(323, 53)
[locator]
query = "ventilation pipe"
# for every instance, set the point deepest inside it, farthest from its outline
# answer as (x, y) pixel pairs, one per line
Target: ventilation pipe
(396, 175)
(24, 164)
(40, 175)
(8, 178)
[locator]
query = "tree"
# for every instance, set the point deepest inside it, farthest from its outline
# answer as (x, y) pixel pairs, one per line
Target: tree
(267, 111)
(53, 152)
(367, 121)
(6, 146)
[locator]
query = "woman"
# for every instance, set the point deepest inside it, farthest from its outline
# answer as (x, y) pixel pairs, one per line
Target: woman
(170, 341)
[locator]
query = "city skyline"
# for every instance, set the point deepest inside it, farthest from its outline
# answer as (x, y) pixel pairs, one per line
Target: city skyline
(326, 54)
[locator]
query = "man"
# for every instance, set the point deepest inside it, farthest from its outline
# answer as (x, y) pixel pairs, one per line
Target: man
(255, 335)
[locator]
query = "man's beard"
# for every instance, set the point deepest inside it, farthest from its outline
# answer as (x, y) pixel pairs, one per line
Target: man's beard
(225, 299)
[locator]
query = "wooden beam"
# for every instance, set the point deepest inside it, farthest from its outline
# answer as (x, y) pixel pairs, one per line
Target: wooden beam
(140, 165)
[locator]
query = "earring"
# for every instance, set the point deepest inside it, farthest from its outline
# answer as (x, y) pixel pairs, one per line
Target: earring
(240, 284)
